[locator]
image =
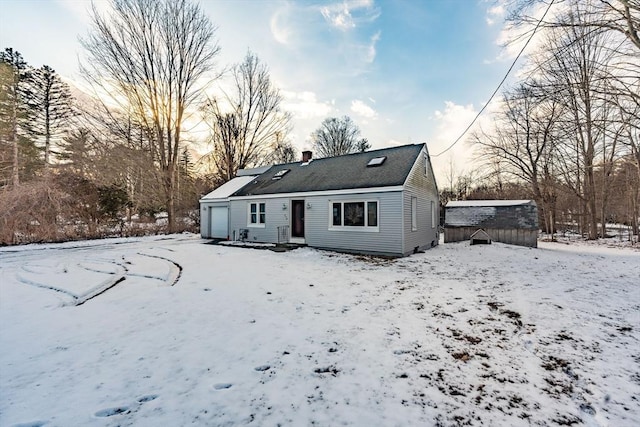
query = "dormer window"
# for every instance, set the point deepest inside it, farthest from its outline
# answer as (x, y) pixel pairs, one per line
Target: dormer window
(376, 161)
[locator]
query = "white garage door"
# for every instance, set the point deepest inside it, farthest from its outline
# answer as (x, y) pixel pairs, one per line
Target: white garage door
(219, 222)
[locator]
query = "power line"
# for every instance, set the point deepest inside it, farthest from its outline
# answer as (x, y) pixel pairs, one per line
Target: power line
(499, 85)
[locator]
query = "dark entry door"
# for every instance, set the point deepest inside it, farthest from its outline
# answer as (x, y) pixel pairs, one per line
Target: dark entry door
(297, 218)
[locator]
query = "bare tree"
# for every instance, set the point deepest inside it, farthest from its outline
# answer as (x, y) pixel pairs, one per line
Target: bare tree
(588, 68)
(149, 57)
(247, 123)
(620, 16)
(618, 19)
(575, 75)
(628, 118)
(110, 148)
(283, 152)
(338, 136)
(521, 144)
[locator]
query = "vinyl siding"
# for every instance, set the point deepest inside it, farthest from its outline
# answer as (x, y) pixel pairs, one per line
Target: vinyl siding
(423, 187)
(387, 240)
(205, 229)
(275, 217)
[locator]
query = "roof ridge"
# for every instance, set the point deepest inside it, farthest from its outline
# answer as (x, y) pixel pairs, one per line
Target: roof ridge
(354, 154)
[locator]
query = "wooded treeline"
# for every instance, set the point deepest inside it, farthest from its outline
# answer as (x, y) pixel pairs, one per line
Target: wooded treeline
(110, 159)
(567, 134)
(158, 123)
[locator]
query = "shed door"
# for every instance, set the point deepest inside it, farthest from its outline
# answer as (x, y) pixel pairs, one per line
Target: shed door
(219, 222)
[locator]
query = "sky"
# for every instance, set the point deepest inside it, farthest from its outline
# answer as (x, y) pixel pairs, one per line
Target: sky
(405, 71)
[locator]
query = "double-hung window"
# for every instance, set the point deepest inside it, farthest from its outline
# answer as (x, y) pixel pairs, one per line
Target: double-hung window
(434, 213)
(361, 214)
(257, 214)
(414, 214)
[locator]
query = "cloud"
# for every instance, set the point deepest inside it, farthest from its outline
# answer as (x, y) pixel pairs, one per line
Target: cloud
(449, 125)
(362, 53)
(348, 14)
(363, 110)
(305, 105)
(280, 31)
(341, 19)
(452, 121)
(371, 48)
(495, 13)
(340, 32)
(513, 37)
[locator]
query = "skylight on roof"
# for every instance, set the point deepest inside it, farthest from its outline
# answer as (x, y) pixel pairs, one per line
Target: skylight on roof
(376, 161)
(280, 173)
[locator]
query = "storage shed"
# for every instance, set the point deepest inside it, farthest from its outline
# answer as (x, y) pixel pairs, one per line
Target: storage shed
(508, 221)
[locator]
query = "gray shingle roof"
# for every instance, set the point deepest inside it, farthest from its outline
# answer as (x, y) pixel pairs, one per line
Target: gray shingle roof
(338, 173)
(501, 215)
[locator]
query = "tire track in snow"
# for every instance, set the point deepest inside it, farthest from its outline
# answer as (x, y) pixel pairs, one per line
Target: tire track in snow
(78, 299)
(175, 264)
(118, 276)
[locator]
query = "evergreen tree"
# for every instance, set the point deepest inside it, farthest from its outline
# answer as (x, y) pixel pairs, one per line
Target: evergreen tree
(75, 152)
(15, 76)
(52, 107)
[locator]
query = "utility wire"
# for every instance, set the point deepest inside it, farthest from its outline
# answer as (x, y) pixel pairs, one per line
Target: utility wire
(499, 85)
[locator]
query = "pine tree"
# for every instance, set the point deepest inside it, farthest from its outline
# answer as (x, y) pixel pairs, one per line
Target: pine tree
(14, 110)
(75, 152)
(52, 107)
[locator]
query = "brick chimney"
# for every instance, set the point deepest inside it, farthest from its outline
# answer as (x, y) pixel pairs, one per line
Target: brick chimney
(306, 156)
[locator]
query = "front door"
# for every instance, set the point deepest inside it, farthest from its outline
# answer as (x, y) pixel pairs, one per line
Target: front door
(297, 219)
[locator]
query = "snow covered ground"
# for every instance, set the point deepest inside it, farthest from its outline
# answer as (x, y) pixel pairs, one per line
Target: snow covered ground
(172, 331)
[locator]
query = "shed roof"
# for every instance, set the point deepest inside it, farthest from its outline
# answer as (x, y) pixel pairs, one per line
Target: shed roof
(228, 188)
(337, 173)
(467, 203)
(506, 214)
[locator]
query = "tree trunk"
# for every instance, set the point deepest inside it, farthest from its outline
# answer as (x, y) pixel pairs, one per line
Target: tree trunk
(47, 138)
(13, 139)
(169, 186)
(634, 193)
(591, 205)
(16, 169)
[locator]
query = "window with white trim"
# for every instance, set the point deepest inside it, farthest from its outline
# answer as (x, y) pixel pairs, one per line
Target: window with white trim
(433, 214)
(414, 213)
(426, 165)
(257, 214)
(357, 214)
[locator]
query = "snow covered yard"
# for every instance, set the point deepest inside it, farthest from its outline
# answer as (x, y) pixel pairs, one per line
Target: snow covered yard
(198, 334)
